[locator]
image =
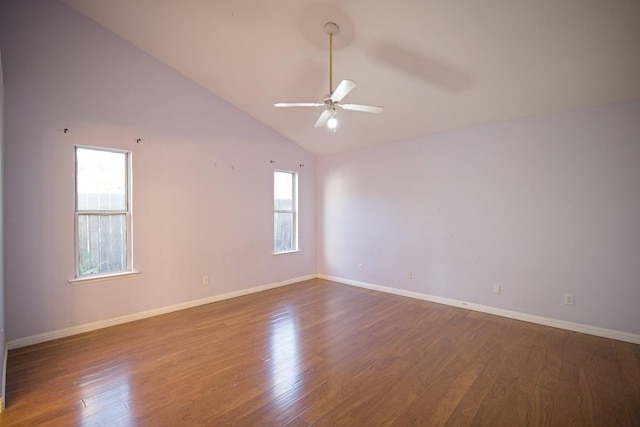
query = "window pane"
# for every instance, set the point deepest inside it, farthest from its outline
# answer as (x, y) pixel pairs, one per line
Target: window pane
(101, 180)
(283, 190)
(283, 226)
(102, 243)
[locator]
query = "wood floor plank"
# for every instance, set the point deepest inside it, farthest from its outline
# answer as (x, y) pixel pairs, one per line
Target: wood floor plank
(318, 353)
(628, 356)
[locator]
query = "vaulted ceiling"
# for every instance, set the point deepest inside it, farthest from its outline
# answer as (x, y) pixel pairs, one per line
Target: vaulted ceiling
(434, 65)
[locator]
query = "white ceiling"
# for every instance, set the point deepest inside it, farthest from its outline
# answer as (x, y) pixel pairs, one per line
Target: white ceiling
(434, 65)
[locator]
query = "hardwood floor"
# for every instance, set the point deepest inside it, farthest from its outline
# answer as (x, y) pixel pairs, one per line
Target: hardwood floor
(325, 354)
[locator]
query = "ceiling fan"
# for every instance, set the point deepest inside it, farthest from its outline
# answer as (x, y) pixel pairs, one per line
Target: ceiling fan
(334, 98)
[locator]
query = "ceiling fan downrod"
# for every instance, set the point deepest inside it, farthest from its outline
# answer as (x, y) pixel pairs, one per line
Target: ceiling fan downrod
(332, 29)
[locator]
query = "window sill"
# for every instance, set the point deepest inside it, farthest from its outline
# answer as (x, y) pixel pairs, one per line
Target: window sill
(287, 252)
(102, 277)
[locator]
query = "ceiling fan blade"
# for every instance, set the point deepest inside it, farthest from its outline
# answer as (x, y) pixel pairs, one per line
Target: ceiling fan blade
(342, 90)
(298, 104)
(322, 120)
(363, 108)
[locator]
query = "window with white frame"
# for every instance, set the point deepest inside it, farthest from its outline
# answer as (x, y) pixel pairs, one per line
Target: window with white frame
(285, 206)
(103, 211)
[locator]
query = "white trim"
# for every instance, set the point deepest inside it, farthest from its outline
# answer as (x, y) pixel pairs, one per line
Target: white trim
(546, 321)
(293, 210)
(74, 330)
(294, 251)
(576, 327)
(4, 377)
(128, 212)
(101, 277)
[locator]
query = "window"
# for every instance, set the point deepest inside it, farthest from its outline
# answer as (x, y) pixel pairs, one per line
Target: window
(103, 211)
(285, 205)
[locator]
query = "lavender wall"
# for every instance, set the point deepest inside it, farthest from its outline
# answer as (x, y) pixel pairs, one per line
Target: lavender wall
(544, 206)
(202, 179)
(3, 341)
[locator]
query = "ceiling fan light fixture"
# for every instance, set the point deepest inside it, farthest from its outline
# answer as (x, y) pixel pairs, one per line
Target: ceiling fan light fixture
(332, 123)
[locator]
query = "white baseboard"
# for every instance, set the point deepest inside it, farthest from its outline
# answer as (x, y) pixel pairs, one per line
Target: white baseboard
(88, 327)
(546, 321)
(3, 386)
(576, 327)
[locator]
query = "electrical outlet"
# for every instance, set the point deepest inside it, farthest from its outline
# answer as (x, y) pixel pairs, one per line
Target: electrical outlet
(408, 274)
(360, 267)
(568, 299)
(496, 288)
(205, 280)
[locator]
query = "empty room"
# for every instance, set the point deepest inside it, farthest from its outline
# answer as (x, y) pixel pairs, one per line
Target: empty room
(320, 213)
